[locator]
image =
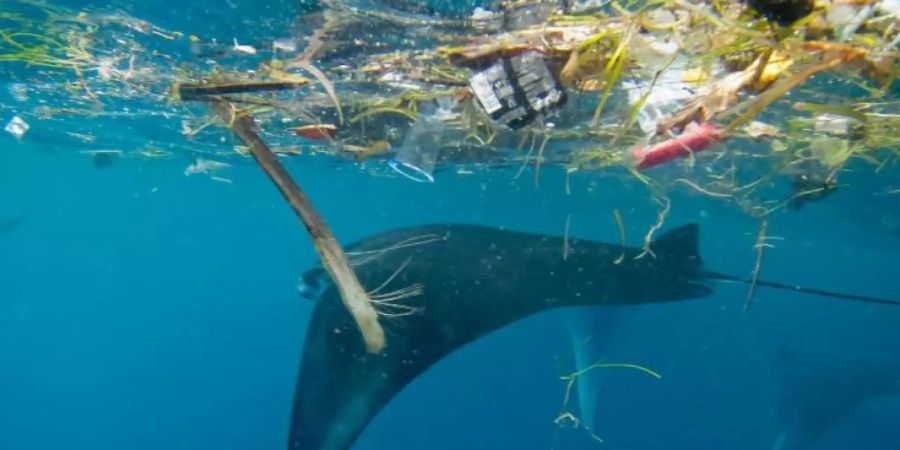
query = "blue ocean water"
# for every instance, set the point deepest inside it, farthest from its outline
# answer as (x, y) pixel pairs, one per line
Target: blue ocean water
(143, 309)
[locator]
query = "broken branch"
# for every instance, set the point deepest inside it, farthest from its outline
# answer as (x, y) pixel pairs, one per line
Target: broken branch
(333, 257)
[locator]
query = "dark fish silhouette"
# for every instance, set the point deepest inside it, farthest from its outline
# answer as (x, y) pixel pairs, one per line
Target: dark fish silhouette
(440, 287)
(7, 225)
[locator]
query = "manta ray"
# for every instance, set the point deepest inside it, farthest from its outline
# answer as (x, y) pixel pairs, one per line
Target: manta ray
(440, 287)
(816, 395)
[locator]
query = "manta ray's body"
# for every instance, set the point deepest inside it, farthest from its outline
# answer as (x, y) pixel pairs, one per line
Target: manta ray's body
(473, 280)
(440, 287)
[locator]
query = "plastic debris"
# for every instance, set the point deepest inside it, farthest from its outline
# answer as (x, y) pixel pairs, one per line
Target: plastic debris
(756, 129)
(18, 91)
(847, 18)
(518, 15)
(514, 91)
(417, 156)
(694, 139)
(837, 126)
(890, 7)
(663, 99)
(502, 72)
(205, 166)
(783, 11)
(480, 13)
(319, 132)
(243, 48)
(17, 127)
(284, 45)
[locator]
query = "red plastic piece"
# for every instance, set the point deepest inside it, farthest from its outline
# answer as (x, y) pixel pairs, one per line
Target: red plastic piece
(695, 138)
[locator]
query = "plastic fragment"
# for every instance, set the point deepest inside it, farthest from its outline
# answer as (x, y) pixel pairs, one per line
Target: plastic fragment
(205, 166)
(756, 129)
(18, 91)
(318, 132)
(418, 155)
(17, 127)
(515, 91)
(664, 98)
(890, 7)
(248, 49)
(480, 13)
(847, 18)
(284, 45)
(776, 65)
(694, 139)
(783, 12)
(837, 126)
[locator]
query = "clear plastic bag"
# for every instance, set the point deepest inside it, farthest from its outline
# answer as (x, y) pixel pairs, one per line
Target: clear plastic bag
(418, 155)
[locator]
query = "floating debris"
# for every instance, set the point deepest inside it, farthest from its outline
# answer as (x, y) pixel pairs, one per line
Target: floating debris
(694, 139)
(316, 132)
(246, 49)
(205, 166)
(417, 157)
(103, 159)
(621, 85)
(17, 127)
(284, 45)
(516, 90)
(18, 91)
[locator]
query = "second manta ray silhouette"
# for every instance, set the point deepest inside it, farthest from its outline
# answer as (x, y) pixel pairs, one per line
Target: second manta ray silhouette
(440, 287)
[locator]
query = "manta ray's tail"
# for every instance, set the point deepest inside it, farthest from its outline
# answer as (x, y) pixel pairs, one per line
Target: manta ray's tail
(805, 290)
(679, 247)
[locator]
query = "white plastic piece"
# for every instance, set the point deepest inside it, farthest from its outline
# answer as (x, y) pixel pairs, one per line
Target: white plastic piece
(666, 96)
(418, 155)
(248, 49)
(482, 14)
(847, 18)
(284, 45)
(205, 166)
(17, 127)
(585, 5)
(105, 69)
(18, 91)
(834, 125)
(891, 7)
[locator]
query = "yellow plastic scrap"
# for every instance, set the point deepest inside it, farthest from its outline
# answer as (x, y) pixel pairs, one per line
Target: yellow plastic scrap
(695, 76)
(280, 75)
(777, 64)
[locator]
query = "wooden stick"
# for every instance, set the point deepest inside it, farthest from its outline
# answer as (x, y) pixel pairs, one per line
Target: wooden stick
(333, 257)
(191, 91)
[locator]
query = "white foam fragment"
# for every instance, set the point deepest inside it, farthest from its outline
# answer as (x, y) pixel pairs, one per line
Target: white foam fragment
(847, 18)
(482, 14)
(834, 125)
(17, 127)
(205, 166)
(891, 7)
(665, 97)
(18, 91)
(284, 45)
(242, 48)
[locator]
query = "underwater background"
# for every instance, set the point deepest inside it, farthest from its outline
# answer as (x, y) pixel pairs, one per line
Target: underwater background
(144, 309)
